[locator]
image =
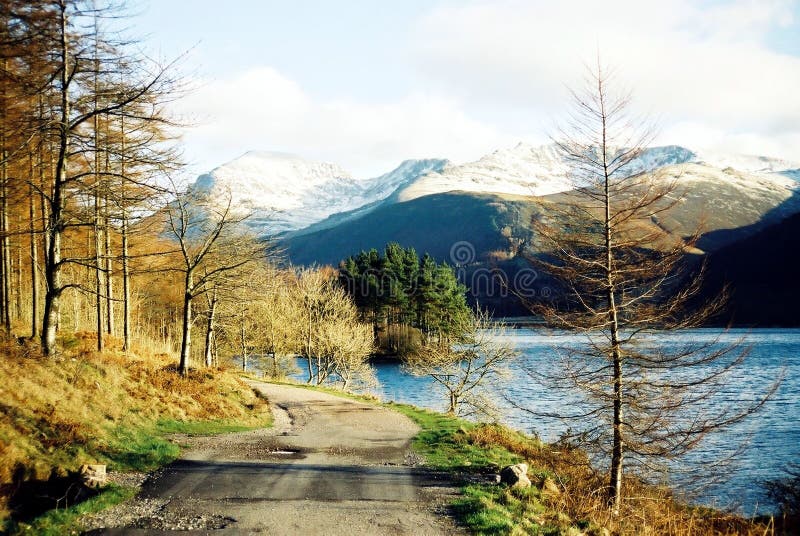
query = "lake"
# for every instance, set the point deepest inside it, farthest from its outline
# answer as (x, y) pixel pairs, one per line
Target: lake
(772, 436)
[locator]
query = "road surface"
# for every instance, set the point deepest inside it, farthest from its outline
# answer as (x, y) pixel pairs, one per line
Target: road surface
(328, 466)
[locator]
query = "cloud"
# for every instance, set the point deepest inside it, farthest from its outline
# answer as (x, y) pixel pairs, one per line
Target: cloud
(263, 109)
(708, 66)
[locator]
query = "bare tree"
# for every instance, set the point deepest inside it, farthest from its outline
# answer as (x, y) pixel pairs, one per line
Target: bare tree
(255, 316)
(622, 275)
(213, 244)
(332, 339)
(469, 368)
(344, 345)
(78, 56)
(277, 320)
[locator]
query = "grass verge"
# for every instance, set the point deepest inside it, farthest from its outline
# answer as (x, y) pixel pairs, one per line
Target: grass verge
(110, 408)
(567, 496)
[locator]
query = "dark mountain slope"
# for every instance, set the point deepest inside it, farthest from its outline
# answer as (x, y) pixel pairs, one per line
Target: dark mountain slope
(433, 224)
(764, 277)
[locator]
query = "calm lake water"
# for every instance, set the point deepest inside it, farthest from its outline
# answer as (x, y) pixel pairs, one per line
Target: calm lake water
(772, 436)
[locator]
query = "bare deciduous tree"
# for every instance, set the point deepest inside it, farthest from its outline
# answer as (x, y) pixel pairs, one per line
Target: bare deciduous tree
(623, 275)
(213, 245)
(332, 339)
(467, 369)
(80, 55)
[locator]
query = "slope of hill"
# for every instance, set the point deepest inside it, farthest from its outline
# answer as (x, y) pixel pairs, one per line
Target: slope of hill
(761, 272)
(726, 205)
(432, 224)
(105, 407)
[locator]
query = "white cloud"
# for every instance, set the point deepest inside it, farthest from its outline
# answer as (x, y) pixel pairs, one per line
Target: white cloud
(262, 109)
(704, 66)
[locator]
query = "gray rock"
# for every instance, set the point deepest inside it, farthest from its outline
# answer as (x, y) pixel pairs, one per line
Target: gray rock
(515, 476)
(93, 475)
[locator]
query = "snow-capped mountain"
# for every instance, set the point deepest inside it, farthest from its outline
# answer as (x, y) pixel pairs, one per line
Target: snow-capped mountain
(526, 170)
(288, 193)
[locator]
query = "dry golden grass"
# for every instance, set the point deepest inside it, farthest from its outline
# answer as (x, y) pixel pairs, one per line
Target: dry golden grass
(57, 414)
(648, 510)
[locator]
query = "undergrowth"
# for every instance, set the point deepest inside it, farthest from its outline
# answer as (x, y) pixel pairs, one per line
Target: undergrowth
(61, 521)
(567, 496)
(112, 407)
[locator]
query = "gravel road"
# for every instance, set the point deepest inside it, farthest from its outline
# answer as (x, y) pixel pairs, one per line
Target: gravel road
(328, 466)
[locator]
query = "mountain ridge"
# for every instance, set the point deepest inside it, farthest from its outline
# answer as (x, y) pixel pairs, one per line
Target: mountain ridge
(290, 195)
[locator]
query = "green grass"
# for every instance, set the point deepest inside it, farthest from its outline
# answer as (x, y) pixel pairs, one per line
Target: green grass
(138, 449)
(447, 444)
(64, 521)
(146, 449)
(444, 443)
(488, 509)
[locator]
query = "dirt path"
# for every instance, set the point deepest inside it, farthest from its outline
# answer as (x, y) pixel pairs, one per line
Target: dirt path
(329, 465)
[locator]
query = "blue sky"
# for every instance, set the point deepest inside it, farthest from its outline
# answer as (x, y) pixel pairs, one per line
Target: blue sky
(367, 84)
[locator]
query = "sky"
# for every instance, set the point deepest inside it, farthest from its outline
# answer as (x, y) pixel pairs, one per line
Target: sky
(368, 84)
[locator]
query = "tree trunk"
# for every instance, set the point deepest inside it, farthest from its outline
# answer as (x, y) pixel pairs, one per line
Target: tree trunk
(126, 288)
(109, 273)
(52, 304)
(186, 331)
(34, 252)
(5, 302)
(453, 403)
(243, 343)
(5, 261)
(210, 330)
(615, 475)
(308, 348)
(98, 269)
(98, 242)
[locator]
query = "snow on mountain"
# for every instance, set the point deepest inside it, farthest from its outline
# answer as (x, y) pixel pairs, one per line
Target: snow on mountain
(522, 170)
(527, 170)
(749, 163)
(286, 192)
(730, 198)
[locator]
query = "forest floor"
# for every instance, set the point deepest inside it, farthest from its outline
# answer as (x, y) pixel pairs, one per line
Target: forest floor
(329, 465)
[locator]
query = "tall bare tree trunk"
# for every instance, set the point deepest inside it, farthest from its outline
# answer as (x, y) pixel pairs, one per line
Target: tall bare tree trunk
(615, 475)
(5, 261)
(52, 305)
(210, 330)
(186, 329)
(18, 272)
(109, 269)
(126, 276)
(98, 240)
(5, 316)
(34, 253)
(98, 268)
(243, 340)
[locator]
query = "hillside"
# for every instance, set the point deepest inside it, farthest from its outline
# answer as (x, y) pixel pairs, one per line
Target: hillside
(432, 224)
(110, 408)
(726, 205)
(290, 194)
(761, 272)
